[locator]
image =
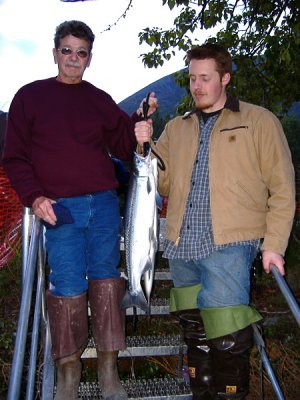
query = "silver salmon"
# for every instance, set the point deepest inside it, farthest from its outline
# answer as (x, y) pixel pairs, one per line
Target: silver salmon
(141, 231)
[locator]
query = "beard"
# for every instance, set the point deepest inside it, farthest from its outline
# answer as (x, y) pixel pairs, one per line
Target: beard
(203, 105)
(201, 102)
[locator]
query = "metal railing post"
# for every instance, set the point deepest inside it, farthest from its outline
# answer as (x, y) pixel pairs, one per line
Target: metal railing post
(26, 224)
(48, 368)
(36, 322)
(21, 337)
(266, 363)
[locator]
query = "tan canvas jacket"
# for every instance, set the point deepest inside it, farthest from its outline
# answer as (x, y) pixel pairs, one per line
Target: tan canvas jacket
(252, 185)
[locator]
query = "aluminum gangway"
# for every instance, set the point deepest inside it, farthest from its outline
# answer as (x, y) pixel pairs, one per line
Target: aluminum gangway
(36, 328)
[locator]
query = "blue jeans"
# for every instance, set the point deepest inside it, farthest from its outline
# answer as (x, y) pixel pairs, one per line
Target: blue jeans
(87, 249)
(224, 276)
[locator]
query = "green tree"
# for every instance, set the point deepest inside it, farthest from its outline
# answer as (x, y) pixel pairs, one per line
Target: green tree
(291, 126)
(263, 37)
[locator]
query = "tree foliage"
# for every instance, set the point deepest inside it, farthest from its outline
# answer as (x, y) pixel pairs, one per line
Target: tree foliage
(291, 126)
(263, 37)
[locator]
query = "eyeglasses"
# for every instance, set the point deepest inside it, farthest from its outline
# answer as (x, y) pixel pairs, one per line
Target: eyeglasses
(66, 51)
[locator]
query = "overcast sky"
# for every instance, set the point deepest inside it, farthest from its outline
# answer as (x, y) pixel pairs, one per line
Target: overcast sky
(26, 40)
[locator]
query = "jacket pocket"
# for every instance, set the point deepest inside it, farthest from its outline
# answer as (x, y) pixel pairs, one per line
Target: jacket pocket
(254, 197)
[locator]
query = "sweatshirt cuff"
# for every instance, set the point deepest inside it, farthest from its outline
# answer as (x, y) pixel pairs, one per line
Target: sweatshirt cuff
(28, 200)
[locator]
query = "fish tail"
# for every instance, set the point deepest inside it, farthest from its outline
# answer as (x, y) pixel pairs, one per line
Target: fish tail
(138, 300)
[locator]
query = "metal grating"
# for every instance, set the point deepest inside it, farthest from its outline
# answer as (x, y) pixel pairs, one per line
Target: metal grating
(159, 274)
(148, 389)
(157, 307)
(141, 346)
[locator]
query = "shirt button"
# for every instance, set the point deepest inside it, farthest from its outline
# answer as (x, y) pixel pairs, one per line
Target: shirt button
(191, 205)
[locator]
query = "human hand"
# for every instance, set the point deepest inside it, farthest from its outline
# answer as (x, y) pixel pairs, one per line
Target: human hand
(42, 208)
(153, 105)
(269, 258)
(143, 131)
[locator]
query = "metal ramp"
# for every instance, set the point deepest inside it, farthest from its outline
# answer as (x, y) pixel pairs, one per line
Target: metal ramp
(33, 309)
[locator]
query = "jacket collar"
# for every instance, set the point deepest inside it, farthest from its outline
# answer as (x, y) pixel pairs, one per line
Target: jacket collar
(232, 103)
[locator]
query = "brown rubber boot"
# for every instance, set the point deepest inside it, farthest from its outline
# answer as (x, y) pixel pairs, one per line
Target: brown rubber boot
(108, 327)
(69, 333)
(68, 377)
(109, 381)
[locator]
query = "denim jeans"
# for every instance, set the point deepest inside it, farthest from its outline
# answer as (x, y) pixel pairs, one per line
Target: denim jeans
(89, 248)
(224, 276)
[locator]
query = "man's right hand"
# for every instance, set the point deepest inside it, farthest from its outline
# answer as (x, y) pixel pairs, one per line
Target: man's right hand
(143, 131)
(42, 208)
(271, 258)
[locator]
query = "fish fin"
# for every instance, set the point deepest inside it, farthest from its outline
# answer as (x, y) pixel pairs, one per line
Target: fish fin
(147, 266)
(158, 200)
(139, 301)
(126, 301)
(149, 185)
(153, 239)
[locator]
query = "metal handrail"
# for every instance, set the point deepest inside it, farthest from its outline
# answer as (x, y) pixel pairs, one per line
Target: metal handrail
(47, 389)
(27, 221)
(38, 313)
(22, 329)
(290, 299)
(266, 362)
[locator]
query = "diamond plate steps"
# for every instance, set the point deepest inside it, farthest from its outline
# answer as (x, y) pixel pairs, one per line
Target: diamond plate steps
(145, 346)
(150, 389)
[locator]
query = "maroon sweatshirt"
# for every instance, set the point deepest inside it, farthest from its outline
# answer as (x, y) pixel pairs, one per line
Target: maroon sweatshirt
(59, 137)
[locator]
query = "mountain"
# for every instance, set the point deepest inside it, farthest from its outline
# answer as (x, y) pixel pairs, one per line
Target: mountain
(168, 92)
(295, 109)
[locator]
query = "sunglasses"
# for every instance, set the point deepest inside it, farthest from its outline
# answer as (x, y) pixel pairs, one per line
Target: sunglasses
(66, 51)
